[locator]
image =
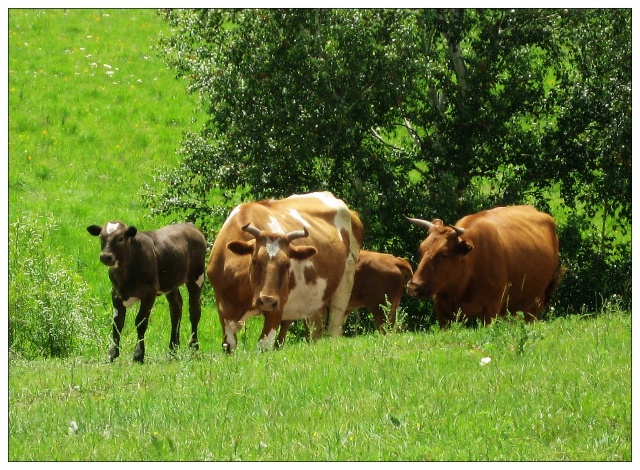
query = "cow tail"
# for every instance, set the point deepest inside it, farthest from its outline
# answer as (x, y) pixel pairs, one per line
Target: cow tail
(554, 283)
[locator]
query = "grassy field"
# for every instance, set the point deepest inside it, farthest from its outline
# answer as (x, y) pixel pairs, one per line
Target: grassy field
(552, 391)
(93, 113)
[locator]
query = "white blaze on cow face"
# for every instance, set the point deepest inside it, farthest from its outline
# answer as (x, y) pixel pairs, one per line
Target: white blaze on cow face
(111, 227)
(273, 247)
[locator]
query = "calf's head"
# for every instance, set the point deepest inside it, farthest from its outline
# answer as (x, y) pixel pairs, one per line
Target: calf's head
(271, 255)
(115, 237)
(441, 258)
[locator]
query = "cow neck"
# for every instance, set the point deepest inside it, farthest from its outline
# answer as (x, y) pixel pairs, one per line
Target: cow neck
(122, 272)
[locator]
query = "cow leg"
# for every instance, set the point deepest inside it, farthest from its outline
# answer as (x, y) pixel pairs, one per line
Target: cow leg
(282, 334)
(195, 312)
(119, 313)
(175, 308)
(272, 322)
(142, 321)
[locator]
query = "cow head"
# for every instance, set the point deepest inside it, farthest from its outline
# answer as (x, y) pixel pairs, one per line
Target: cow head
(441, 258)
(115, 238)
(271, 255)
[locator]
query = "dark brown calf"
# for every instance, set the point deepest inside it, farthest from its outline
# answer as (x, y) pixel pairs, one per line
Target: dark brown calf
(143, 265)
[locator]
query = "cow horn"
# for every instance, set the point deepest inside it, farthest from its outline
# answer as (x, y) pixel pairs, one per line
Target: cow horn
(298, 234)
(420, 223)
(459, 231)
(251, 229)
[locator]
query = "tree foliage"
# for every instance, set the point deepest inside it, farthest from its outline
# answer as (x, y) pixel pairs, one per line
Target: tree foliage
(429, 112)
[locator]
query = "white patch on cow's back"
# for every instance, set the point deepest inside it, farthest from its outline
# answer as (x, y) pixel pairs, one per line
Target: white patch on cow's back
(274, 226)
(296, 215)
(266, 343)
(273, 247)
(130, 301)
(200, 280)
(304, 299)
(329, 200)
(112, 227)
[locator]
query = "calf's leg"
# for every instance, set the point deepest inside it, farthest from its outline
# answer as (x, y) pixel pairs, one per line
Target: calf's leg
(119, 313)
(195, 312)
(142, 322)
(175, 308)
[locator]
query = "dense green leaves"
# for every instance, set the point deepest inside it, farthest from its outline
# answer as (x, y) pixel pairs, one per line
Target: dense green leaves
(433, 113)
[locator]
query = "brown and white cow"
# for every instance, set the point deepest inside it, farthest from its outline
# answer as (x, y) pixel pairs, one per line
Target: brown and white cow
(286, 259)
(379, 278)
(498, 260)
(143, 265)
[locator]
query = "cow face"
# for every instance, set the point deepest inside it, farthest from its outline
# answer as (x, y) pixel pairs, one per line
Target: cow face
(441, 259)
(115, 238)
(271, 255)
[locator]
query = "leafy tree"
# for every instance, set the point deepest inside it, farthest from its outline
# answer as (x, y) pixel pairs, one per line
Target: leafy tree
(431, 112)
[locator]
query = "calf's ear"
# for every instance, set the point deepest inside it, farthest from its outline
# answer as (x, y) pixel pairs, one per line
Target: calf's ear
(131, 232)
(94, 230)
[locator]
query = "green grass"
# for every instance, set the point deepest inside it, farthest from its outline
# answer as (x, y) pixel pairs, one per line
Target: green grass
(93, 113)
(82, 143)
(566, 395)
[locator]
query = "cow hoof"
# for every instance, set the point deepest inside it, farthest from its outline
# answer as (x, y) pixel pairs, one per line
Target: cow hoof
(194, 345)
(138, 355)
(113, 353)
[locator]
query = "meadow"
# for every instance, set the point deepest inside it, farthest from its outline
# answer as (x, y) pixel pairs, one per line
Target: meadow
(93, 115)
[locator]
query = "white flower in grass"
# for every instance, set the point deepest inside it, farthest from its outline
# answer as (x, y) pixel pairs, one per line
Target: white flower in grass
(484, 361)
(73, 427)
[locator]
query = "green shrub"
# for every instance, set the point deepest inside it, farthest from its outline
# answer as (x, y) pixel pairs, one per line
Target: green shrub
(48, 303)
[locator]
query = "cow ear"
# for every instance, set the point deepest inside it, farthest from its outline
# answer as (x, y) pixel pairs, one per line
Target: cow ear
(302, 252)
(131, 232)
(94, 230)
(437, 222)
(241, 247)
(464, 247)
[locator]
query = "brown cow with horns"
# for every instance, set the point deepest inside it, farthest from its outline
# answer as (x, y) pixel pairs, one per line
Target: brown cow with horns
(285, 259)
(498, 260)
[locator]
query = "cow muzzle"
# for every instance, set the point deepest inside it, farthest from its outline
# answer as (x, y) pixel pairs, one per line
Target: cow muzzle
(107, 259)
(418, 290)
(267, 303)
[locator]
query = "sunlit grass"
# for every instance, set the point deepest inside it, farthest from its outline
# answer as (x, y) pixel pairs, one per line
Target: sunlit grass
(396, 397)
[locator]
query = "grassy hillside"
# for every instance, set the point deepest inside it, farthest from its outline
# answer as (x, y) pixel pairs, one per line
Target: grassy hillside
(93, 112)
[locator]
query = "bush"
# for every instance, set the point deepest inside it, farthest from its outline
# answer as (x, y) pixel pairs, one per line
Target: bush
(48, 302)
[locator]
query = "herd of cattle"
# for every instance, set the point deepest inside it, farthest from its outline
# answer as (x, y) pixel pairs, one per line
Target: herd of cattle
(301, 257)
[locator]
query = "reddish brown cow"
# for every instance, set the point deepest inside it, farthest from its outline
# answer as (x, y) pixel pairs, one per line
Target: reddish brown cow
(379, 278)
(143, 265)
(286, 259)
(498, 260)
